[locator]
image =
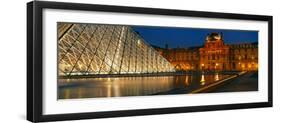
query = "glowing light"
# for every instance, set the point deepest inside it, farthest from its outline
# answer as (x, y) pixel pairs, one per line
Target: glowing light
(217, 37)
(202, 81)
(108, 58)
(139, 42)
(109, 90)
(187, 80)
(216, 77)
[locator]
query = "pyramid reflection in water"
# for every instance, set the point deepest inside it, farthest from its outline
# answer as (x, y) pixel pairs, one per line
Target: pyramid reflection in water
(91, 49)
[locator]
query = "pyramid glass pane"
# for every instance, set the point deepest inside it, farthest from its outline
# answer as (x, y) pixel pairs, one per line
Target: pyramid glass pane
(92, 49)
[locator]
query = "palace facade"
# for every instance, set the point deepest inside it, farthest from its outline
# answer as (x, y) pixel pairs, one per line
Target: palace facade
(213, 55)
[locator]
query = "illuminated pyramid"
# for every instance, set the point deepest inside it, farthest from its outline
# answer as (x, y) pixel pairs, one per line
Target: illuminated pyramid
(91, 49)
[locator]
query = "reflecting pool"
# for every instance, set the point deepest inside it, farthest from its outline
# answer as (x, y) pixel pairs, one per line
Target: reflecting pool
(133, 86)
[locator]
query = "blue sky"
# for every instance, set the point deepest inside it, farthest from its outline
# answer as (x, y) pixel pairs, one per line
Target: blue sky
(188, 37)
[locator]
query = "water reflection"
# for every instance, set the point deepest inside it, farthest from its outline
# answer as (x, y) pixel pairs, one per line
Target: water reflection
(216, 77)
(131, 86)
(187, 80)
(202, 81)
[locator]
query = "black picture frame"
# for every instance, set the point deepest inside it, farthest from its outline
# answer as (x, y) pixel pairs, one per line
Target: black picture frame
(35, 69)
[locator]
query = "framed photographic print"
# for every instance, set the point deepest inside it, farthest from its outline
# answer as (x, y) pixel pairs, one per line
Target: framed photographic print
(94, 61)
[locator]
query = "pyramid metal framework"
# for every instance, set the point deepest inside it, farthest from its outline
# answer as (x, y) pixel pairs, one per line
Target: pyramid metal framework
(92, 49)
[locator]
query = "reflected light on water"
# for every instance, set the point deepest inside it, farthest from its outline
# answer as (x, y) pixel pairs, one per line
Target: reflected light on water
(80, 95)
(116, 89)
(108, 90)
(216, 77)
(67, 93)
(202, 81)
(186, 80)
(131, 86)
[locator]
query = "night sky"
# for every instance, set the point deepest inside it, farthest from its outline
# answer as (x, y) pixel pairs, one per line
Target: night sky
(188, 37)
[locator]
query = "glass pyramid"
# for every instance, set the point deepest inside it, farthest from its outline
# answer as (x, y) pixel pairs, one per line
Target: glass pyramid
(92, 49)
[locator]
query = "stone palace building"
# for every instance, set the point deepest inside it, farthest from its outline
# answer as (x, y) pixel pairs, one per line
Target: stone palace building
(213, 55)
